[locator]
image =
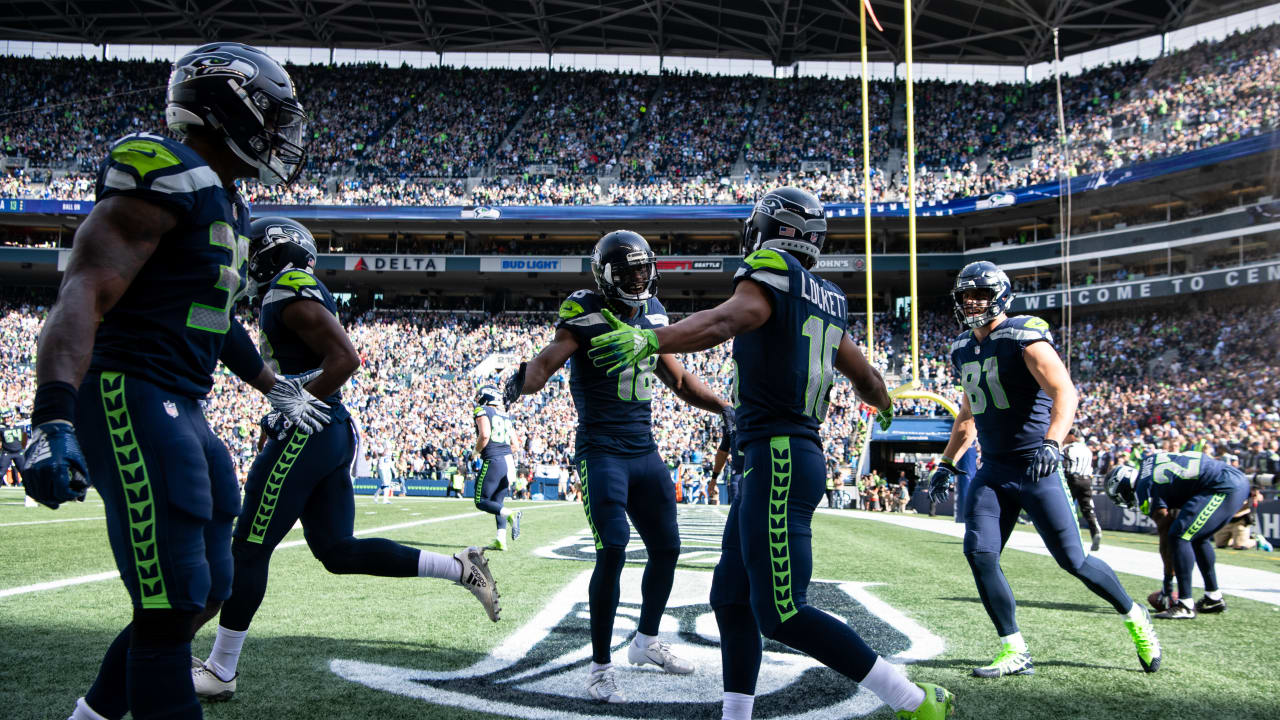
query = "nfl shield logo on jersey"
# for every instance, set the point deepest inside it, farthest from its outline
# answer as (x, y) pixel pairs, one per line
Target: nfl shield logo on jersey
(170, 409)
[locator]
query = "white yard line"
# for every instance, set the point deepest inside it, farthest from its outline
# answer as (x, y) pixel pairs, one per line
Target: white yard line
(97, 577)
(1260, 585)
(47, 522)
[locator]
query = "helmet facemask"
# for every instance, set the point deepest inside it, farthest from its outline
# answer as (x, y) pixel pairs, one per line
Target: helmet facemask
(987, 309)
(1120, 486)
(632, 283)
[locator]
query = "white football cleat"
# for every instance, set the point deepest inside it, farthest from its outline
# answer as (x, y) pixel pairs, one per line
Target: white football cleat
(602, 686)
(210, 687)
(658, 653)
(477, 579)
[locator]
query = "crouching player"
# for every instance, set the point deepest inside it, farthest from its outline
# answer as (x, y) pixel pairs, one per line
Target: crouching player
(1206, 493)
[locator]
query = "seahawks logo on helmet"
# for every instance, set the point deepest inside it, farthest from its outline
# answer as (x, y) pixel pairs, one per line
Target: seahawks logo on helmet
(982, 275)
(242, 96)
(788, 219)
(277, 244)
(488, 395)
(1119, 484)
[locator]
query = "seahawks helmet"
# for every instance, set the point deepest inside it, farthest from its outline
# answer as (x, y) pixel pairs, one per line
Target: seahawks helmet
(277, 244)
(1120, 482)
(247, 98)
(789, 219)
(488, 395)
(982, 275)
(625, 267)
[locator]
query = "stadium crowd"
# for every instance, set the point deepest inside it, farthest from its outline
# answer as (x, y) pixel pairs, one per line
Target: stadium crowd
(408, 136)
(1203, 379)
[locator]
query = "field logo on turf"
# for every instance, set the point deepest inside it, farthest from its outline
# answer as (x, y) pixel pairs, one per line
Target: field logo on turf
(701, 531)
(541, 669)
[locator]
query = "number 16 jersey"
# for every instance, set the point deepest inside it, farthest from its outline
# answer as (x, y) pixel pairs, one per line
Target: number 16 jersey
(1009, 407)
(785, 367)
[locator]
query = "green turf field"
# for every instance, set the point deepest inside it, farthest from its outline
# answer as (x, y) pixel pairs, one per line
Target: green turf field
(1086, 667)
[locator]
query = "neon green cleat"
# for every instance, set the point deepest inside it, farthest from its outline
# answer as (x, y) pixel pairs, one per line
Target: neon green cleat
(938, 703)
(1144, 639)
(496, 545)
(1008, 662)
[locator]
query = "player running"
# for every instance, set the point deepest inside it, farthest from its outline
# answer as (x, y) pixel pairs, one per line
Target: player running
(494, 438)
(142, 318)
(1206, 493)
(1019, 403)
(790, 331)
(308, 477)
(621, 472)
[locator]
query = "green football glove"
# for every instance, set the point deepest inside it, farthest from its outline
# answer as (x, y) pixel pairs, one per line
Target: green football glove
(622, 346)
(884, 418)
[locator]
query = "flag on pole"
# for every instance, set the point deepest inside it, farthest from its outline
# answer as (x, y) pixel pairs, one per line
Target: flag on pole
(872, 13)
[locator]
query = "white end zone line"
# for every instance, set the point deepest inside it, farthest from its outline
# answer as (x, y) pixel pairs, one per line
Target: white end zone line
(48, 522)
(97, 577)
(1260, 585)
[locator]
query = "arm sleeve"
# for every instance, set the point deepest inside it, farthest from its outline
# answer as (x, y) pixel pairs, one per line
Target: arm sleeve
(239, 354)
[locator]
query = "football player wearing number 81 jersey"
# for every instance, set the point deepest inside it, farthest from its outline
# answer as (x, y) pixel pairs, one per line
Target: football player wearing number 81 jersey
(621, 471)
(1019, 404)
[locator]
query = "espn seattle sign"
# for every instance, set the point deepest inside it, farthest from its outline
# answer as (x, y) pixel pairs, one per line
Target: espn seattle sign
(1256, 274)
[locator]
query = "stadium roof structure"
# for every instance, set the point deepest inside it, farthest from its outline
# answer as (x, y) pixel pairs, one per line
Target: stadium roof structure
(1009, 32)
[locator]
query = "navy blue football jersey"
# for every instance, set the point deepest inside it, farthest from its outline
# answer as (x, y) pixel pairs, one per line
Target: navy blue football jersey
(500, 432)
(1169, 480)
(784, 368)
(1009, 407)
(281, 348)
(613, 410)
(169, 326)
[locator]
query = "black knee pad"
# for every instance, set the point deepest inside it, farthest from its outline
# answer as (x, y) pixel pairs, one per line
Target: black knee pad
(983, 562)
(162, 628)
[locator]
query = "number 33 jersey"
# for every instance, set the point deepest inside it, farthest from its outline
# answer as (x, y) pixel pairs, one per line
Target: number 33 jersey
(169, 326)
(613, 410)
(1009, 407)
(785, 367)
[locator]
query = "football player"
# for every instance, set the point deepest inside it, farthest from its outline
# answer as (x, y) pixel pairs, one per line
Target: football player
(304, 477)
(790, 330)
(1077, 461)
(1019, 404)
(142, 318)
(494, 438)
(729, 459)
(12, 442)
(1206, 493)
(621, 472)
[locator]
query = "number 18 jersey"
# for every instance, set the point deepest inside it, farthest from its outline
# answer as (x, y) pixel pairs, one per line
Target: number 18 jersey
(785, 367)
(169, 326)
(613, 410)
(1009, 407)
